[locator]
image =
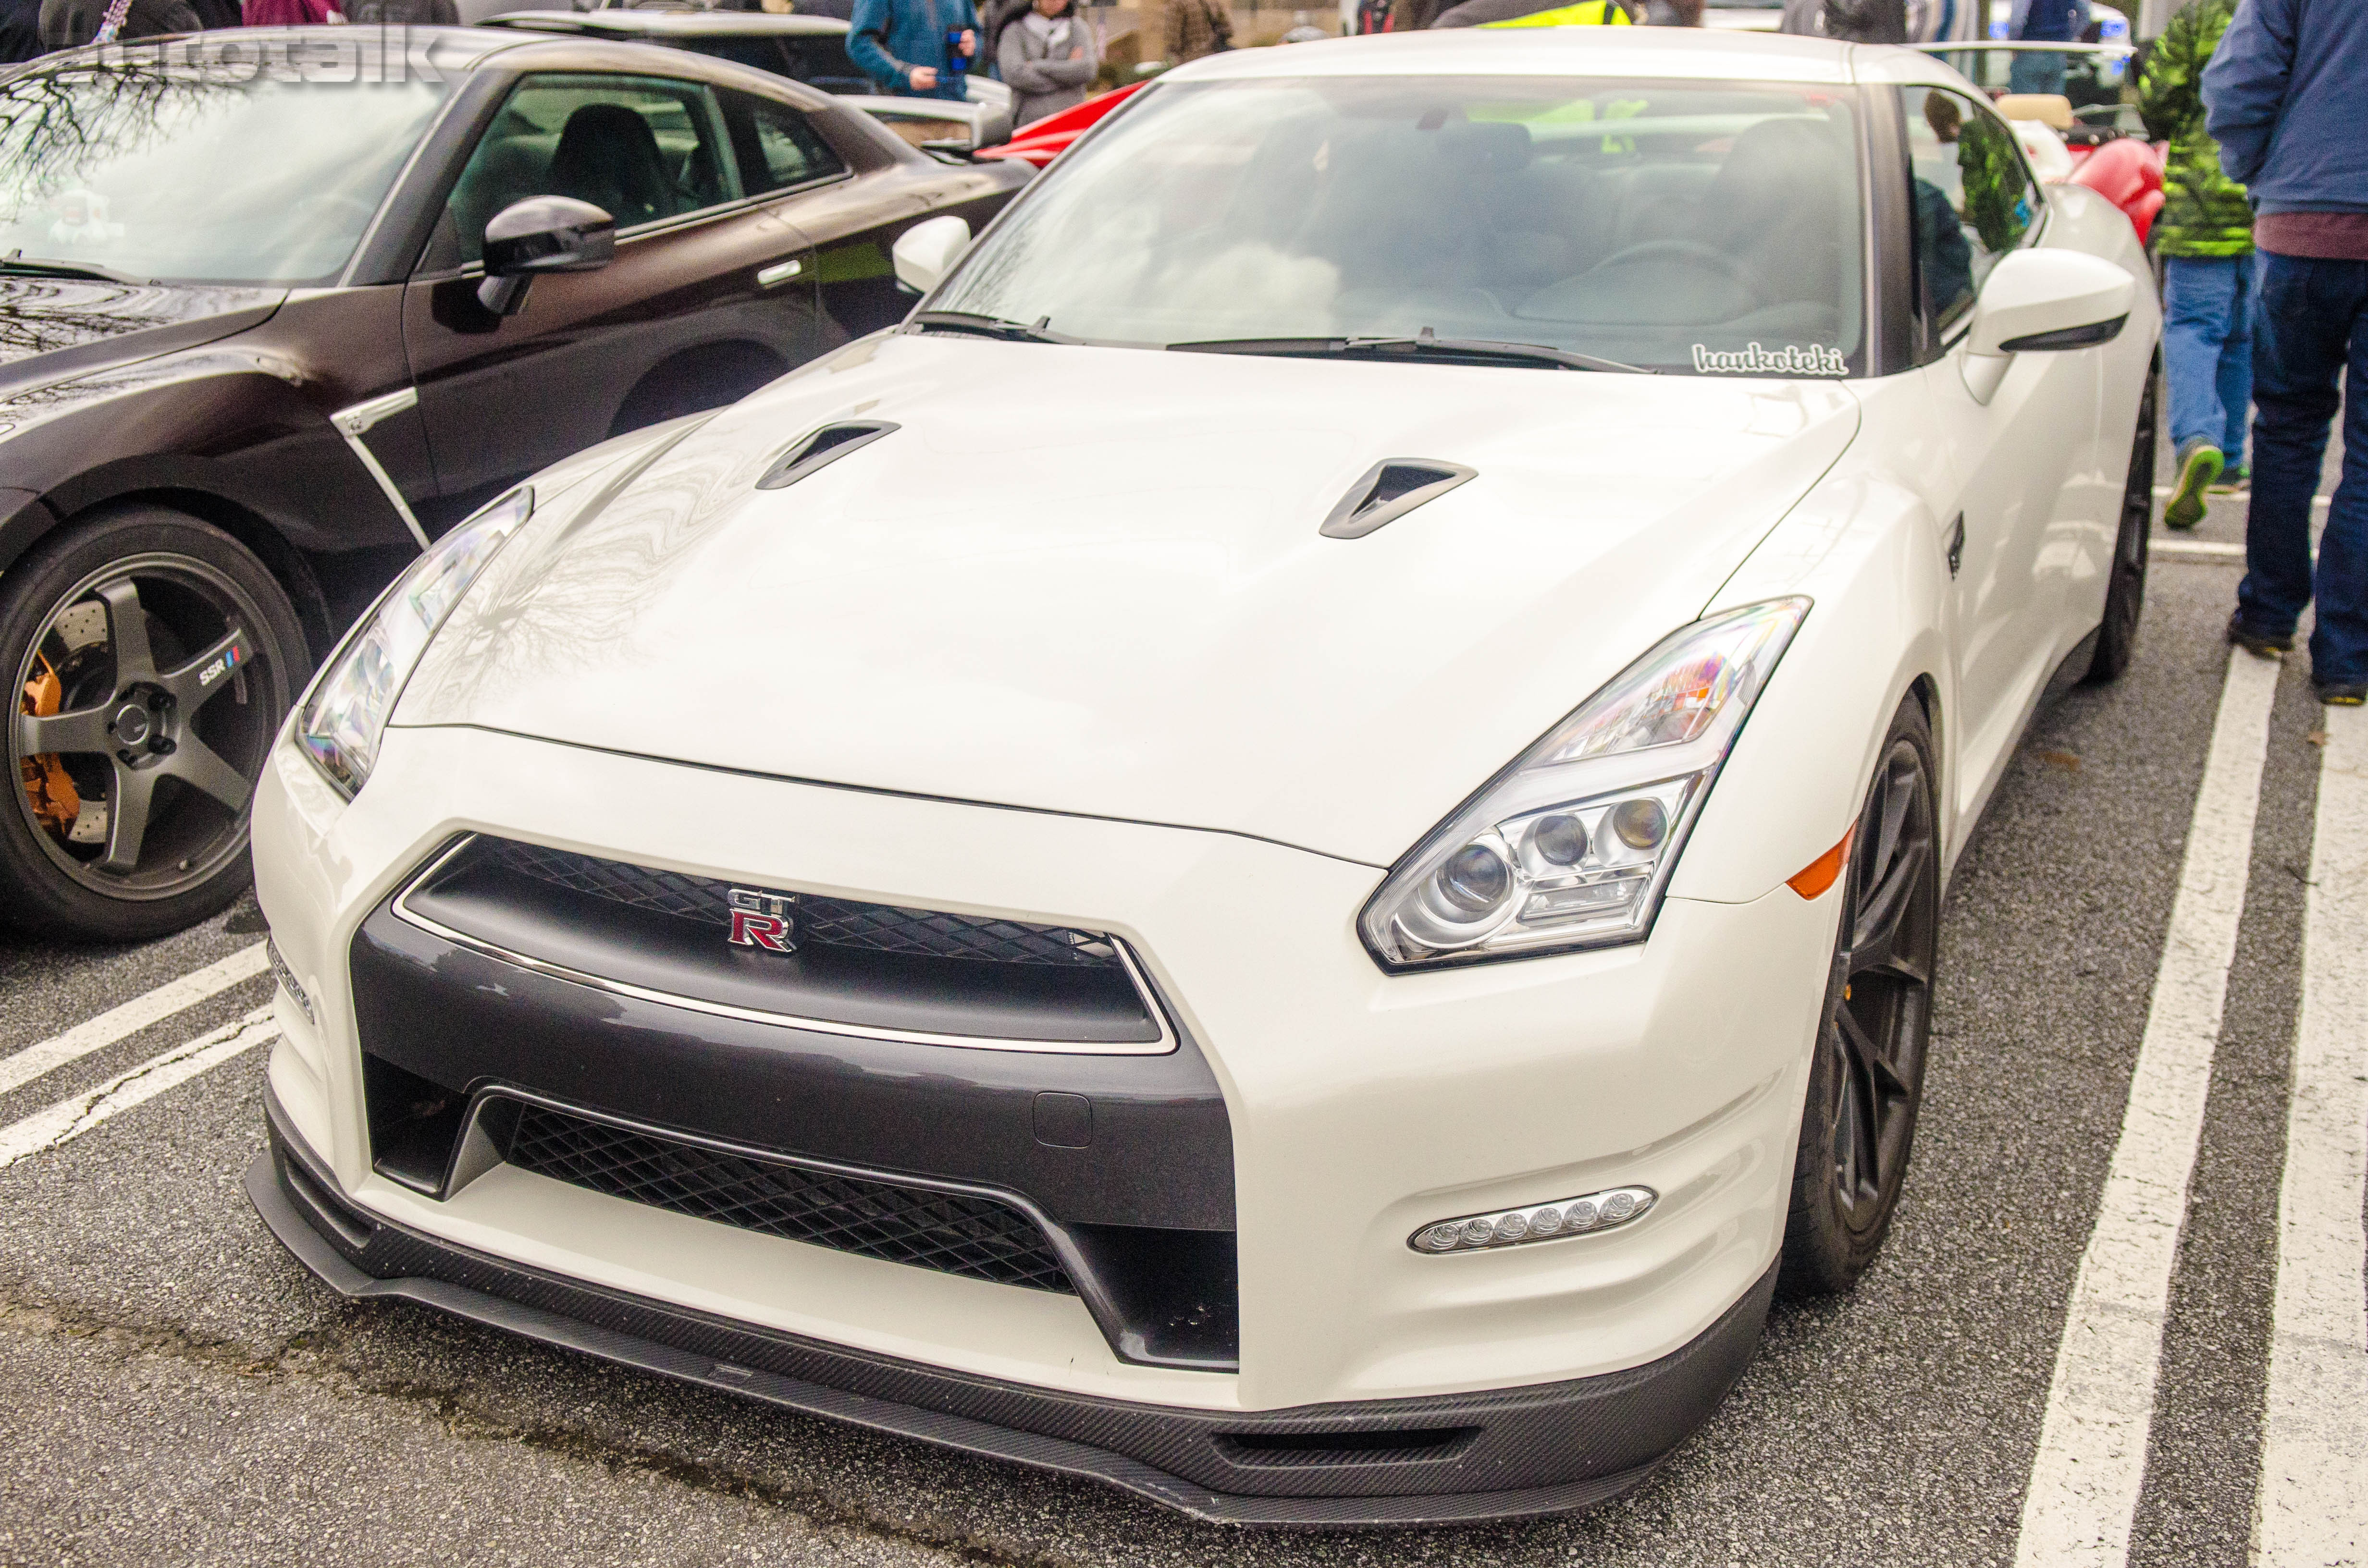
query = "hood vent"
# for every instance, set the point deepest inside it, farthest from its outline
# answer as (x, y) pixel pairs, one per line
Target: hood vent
(825, 447)
(1389, 490)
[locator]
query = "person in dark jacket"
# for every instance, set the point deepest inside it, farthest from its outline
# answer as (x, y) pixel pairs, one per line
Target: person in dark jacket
(2285, 96)
(908, 46)
(1853, 21)
(2043, 21)
(2205, 238)
(68, 24)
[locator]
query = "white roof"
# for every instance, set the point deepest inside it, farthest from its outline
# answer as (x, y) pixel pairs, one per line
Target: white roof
(1667, 53)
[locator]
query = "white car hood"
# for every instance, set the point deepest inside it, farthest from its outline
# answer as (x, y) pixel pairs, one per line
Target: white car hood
(1090, 581)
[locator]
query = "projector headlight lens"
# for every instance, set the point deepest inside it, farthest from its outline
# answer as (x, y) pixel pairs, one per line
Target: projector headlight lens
(345, 715)
(1572, 845)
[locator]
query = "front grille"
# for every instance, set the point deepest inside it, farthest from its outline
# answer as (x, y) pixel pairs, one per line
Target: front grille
(828, 922)
(952, 1232)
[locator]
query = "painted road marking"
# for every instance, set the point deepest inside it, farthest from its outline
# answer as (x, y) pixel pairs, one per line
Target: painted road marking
(70, 1118)
(2196, 548)
(2165, 492)
(121, 1023)
(2312, 1510)
(2092, 1445)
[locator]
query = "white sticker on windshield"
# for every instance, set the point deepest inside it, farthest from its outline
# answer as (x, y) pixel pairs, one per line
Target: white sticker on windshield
(1753, 360)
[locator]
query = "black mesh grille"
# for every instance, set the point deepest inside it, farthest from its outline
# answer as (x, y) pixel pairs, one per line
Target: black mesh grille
(975, 1237)
(828, 921)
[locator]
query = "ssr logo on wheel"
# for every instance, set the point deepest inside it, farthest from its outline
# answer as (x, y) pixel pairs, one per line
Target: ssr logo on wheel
(762, 920)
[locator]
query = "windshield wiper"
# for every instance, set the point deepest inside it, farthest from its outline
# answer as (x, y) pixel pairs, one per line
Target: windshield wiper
(17, 264)
(988, 326)
(1425, 342)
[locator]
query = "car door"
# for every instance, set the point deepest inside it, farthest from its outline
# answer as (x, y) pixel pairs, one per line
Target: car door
(2016, 532)
(710, 295)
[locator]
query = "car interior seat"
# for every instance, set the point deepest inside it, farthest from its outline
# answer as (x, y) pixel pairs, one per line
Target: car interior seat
(608, 156)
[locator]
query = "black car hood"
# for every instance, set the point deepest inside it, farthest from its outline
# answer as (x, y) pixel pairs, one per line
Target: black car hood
(52, 328)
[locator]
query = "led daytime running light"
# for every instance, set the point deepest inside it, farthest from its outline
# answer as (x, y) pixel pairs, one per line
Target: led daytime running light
(1538, 1222)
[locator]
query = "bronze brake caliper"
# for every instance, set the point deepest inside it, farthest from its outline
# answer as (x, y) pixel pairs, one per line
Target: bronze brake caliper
(56, 801)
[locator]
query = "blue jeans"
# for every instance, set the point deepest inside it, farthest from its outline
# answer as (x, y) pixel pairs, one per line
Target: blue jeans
(2035, 71)
(2310, 326)
(2207, 349)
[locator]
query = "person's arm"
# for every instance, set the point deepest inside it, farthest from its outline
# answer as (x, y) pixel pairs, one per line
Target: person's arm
(1077, 72)
(2169, 92)
(2245, 86)
(866, 45)
(1023, 74)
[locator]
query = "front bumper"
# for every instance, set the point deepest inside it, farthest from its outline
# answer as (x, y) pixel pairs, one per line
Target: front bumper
(1442, 1459)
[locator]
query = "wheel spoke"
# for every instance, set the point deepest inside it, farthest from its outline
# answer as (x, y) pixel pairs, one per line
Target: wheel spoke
(1877, 935)
(83, 730)
(199, 765)
(1861, 1060)
(127, 817)
(209, 674)
(126, 626)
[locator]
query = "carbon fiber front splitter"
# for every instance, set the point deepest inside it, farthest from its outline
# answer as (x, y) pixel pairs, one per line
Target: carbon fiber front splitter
(1433, 1461)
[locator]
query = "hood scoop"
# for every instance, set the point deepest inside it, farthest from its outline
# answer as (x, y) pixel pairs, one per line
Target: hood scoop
(822, 448)
(1388, 491)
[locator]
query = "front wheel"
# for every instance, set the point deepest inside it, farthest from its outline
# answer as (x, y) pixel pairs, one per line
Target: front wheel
(2117, 635)
(1866, 1078)
(154, 657)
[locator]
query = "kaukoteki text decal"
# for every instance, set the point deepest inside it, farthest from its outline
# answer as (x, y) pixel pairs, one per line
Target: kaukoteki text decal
(1753, 360)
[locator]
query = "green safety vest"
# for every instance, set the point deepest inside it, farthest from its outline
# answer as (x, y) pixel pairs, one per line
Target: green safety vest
(1585, 14)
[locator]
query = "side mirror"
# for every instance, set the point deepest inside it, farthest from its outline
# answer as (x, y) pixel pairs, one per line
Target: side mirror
(542, 233)
(925, 253)
(2035, 300)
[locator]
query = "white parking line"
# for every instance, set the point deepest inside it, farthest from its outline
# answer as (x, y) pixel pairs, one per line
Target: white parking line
(2312, 1510)
(70, 1118)
(120, 1023)
(2092, 1445)
(2318, 503)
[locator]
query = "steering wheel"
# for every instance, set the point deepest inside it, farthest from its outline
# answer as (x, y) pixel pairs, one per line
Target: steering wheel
(1686, 250)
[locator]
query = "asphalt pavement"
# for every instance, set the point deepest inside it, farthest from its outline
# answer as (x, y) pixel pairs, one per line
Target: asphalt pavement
(177, 1389)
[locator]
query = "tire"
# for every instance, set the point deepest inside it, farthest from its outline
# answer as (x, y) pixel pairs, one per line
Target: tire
(133, 758)
(2117, 634)
(1866, 1078)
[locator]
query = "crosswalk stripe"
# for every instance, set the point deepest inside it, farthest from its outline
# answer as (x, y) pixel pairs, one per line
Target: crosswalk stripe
(2312, 1511)
(121, 1023)
(71, 1118)
(2092, 1443)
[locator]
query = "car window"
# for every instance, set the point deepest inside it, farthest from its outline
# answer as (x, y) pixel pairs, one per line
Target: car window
(1700, 228)
(1972, 199)
(157, 170)
(778, 146)
(640, 148)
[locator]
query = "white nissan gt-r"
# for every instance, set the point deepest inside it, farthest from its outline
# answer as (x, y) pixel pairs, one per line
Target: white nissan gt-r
(1307, 905)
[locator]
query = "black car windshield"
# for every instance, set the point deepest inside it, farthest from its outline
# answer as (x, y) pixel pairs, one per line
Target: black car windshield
(1682, 226)
(153, 171)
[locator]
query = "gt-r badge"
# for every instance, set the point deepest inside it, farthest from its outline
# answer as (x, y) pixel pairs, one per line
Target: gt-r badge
(762, 920)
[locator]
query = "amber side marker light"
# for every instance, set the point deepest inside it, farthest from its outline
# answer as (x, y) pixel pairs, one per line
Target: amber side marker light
(1812, 879)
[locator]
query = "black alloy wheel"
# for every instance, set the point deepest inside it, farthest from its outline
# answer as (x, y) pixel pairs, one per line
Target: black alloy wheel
(1866, 1079)
(2117, 636)
(154, 657)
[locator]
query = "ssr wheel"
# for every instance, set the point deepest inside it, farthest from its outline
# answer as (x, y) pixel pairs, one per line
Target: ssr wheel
(154, 657)
(1867, 1077)
(2117, 636)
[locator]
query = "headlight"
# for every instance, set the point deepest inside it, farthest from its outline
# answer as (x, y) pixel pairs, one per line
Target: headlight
(348, 708)
(1571, 846)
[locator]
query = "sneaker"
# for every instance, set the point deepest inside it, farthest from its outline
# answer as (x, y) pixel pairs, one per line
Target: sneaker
(2199, 465)
(2232, 482)
(2343, 693)
(2258, 643)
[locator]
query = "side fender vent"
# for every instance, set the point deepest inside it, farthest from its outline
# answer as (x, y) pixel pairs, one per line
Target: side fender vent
(1388, 491)
(820, 449)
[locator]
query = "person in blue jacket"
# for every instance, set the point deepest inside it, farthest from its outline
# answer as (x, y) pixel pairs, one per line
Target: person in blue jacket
(909, 46)
(2043, 21)
(2285, 95)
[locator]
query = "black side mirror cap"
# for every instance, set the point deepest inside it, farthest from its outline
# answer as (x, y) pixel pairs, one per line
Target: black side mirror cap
(542, 234)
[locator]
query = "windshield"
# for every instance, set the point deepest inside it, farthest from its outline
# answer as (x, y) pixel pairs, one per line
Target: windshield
(1703, 228)
(172, 172)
